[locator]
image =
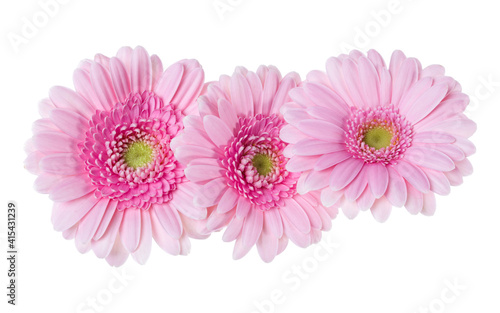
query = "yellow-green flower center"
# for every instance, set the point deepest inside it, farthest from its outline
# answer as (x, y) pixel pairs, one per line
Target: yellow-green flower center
(378, 138)
(262, 163)
(138, 154)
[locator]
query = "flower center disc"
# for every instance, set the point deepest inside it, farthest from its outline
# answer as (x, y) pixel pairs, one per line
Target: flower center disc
(378, 138)
(262, 163)
(138, 154)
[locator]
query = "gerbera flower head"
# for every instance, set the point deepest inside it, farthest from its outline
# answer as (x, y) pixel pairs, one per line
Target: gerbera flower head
(378, 136)
(103, 155)
(233, 152)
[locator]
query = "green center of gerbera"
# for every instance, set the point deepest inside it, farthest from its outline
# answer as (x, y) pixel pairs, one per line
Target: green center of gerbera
(378, 138)
(262, 163)
(138, 154)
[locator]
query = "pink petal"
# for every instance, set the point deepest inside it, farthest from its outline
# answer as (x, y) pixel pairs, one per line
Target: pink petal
(217, 220)
(296, 215)
(65, 98)
(330, 197)
(343, 174)
(273, 222)
(414, 201)
(118, 254)
(169, 219)
(141, 76)
(228, 114)
(325, 97)
(299, 238)
(429, 158)
(366, 200)
(396, 189)
(414, 175)
(189, 89)
(106, 219)
(439, 182)
(252, 227)
(217, 130)
(71, 187)
(90, 223)
(71, 123)
(291, 134)
(300, 163)
(228, 201)
(162, 238)
(44, 182)
(350, 209)
(233, 229)
(322, 130)
(316, 147)
(142, 253)
(202, 173)
(169, 82)
(354, 190)
(426, 103)
(67, 214)
(433, 137)
(54, 142)
(83, 86)
(270, 87)
(62, 164)
(101, 81)
(102, 247)
(429, 206)
(210, 193)
(378, 179)
(370, 82)
(120, 79)
(130, 229)
(267, 245)
(281, 95)
(407, 75)
(381, 209)
(316, 180)
(243, 208)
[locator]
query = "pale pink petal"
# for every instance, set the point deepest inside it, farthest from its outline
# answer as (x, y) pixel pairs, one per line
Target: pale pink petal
(429, 158)
(142, 253)
(65, 98)
(296, 215)
(101, 81)
(321, 130)
(67, 214)
(414, 201)
(103, 246)
(162, 238)
(228, 201)
(169, 82)
(130, 229)
(118, 254)
(89, 224)
(71, 187)
(330, 197)
(396, 189)
(62, 164)
(378, 179)
(429, 206)
(120, 79)
(219, 132)
(414, 175)
(381, 209)
(343, 174)
(71, 123)
(169, 219)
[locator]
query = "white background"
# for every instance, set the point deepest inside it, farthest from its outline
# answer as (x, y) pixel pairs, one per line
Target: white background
(403, 265)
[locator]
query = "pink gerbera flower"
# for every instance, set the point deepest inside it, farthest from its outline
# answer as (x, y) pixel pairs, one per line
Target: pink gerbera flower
(233, 151)
(373, 137)
(103, 155)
